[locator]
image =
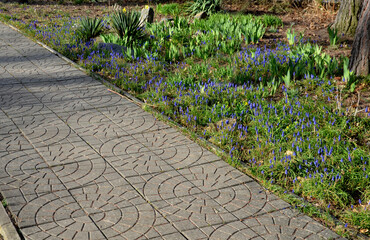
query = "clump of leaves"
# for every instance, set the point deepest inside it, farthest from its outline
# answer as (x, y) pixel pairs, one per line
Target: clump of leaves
(291, 36)
(270, 20)
(333, 36)
(89, 28)
(348, 76)
(173, 9)
(128, 26)
(208, 6)
(111, 38)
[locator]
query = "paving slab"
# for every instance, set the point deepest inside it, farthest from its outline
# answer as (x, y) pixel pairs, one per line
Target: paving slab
(81, 162)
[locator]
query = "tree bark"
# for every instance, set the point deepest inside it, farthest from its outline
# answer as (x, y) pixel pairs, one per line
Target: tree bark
(347, 17)
(360, 57)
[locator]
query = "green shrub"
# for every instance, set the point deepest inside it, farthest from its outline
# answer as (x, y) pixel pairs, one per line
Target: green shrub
(89, 28)
(128, 27)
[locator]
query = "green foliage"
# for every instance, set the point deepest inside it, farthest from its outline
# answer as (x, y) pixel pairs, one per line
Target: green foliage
(333, 36)
(207, 6)
(180, 23)
(131, 52)
(112, 38)
(89, 28)
(4, 202)
(358, 216)
(271, 21)
(287, 79)
(291, 36)
(238, 28)
(253, 32)
(173, 9)
(128, 27)
(348, 76)
(178, 39)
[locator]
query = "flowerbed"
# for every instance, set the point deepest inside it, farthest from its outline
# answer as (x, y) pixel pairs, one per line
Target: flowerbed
(276, 109)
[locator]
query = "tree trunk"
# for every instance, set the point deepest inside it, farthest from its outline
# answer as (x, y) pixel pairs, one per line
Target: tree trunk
(359, 61)
(347, 17)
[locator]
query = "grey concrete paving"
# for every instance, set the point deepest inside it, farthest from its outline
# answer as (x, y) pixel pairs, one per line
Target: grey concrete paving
(80, 162)
(7, 229)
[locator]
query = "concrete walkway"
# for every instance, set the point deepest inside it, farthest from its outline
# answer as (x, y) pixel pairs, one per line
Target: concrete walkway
(80, 162)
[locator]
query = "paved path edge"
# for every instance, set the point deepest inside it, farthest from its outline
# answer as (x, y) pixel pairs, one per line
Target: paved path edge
(7, 229)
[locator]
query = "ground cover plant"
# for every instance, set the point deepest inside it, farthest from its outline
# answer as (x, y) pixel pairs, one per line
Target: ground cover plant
(279, 110)
(172, 9)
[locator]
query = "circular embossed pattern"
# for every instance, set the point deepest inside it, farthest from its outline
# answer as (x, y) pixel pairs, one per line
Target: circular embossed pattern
(104, 216)
(121, 146)
(50, 134)
(139, 124)
(116, 210)
(56, 217)
(182, 156)
(234, 191)
(23, 168)
(285, 224)
(80, 172)
(180, 200)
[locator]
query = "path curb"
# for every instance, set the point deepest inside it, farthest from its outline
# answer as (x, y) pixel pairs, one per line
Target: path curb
(7, 229)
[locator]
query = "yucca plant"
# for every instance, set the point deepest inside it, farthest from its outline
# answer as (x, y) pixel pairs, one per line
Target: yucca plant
(128, 27)
(89, 28)
(208, 6)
